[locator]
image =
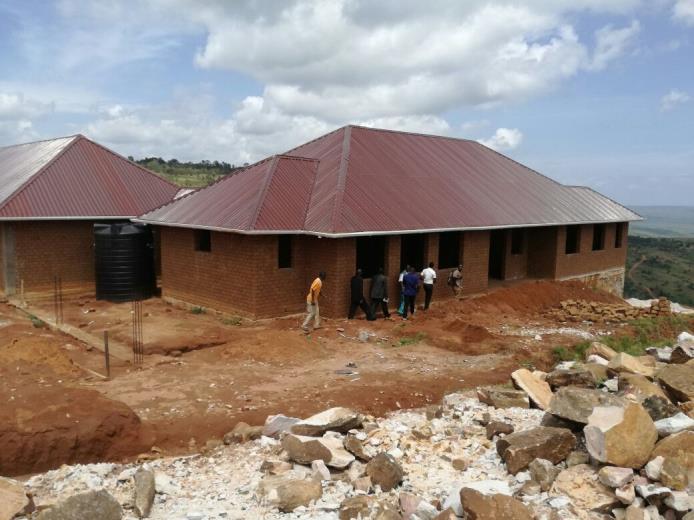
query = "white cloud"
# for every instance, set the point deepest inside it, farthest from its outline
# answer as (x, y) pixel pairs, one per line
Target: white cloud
(15, 106)
(673, 99)
(611, 44)
(504, 139)
(683, 11)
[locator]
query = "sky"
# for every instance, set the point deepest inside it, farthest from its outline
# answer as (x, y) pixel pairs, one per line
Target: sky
(589, 92)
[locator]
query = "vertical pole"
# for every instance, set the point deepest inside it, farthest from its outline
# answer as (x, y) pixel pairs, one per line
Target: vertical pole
(106, 355)
(55, 298)
(60, 299)
(21, 284)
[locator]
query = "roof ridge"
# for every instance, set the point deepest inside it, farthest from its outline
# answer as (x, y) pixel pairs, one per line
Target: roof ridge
(406, 132)
(37, 173)
(314, 140)
(263, 190)
(519, 163)
(341, 177)
(139, 166)
(40, 141)
(608, 198)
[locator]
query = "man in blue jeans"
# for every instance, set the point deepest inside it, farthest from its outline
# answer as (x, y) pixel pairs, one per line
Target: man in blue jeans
(410, 285)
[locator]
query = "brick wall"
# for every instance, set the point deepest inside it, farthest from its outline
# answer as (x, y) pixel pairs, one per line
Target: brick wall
(46, 249)
(3, 259)
(515, 265)
(240, 275)
(475, 261)
(587, 260)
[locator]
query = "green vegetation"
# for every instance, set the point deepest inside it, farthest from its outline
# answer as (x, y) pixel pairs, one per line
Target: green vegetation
(640, 334)
(664, 221)
(233, 320)
(660, 267)
(37, 322)
(412, 340)
(188, 174)
(197, 310)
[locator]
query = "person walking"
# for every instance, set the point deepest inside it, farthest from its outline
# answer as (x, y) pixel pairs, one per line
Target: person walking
(455, 280)
(379, 293)
(410, 284)
(357, 297)
(403, 273)
(312, 311)
(428, 281)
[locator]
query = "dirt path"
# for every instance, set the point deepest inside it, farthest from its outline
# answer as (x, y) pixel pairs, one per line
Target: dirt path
(220, 371)
(632, 270)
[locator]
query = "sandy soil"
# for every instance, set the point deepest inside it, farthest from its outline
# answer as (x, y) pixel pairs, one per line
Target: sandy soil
(230, 372)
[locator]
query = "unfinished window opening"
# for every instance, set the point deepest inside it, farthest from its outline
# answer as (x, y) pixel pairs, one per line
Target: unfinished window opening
(412, 251)
(449, 249)
(598, 237)
(618, 234)
(370, 255)
(573, 236)
(203, 240)
(497, 247)
(517, 241)
(284, 251)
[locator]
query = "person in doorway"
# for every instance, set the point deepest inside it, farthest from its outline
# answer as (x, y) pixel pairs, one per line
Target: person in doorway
(410, 284)
(379, 293)
(357, 296)
(403, 273)
(455, 280)
(428, 281)
(312, 311)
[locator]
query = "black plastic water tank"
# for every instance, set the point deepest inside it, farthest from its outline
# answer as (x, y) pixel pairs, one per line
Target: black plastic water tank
(124, 255)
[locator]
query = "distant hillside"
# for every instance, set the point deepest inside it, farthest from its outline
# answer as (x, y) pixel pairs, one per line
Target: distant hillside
(664, 221)
(188, 174)
(660, 267)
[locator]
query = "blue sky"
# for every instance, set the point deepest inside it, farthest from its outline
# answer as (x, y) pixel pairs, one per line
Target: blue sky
(586, 91)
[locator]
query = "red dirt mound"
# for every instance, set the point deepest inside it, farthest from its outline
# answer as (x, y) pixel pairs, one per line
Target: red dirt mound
(42, 427)
(32, 352)
(536, 297)
(468, 332)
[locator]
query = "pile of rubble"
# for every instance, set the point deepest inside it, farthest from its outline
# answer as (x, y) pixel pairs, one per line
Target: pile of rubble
(597, 312)
(609, 438)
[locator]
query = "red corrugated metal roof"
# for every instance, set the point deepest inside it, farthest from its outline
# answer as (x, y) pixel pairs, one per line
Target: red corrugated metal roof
(370, 181)
(74, 177)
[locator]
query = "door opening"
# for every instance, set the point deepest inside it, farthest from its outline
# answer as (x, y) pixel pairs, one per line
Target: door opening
(497, 246)
(412, 251)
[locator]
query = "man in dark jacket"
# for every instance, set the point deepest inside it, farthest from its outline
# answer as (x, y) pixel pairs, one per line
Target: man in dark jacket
(379, 293)
(357, 296)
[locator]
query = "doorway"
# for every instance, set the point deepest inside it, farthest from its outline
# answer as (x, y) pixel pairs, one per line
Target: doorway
(412, 251)
(497, 247)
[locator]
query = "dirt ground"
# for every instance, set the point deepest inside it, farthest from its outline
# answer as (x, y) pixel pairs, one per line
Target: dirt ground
(205, 372)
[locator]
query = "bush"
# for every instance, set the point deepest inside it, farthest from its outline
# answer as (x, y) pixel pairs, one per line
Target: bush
(412, 340)
(197, 310)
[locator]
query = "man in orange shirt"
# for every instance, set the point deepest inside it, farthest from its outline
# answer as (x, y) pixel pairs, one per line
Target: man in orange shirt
(312, 312)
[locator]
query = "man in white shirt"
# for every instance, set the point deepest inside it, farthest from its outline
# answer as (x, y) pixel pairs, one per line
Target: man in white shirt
(428, 281)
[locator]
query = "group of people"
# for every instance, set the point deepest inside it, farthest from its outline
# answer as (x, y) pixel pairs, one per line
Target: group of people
(410, 281)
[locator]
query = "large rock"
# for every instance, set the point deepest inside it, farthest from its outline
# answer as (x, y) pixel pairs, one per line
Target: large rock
(639, 386)
(620, 435)
(677, 473)
(328, 448)
(576, 404)
(682, 353)
(503, 397)
(659, 407)
(92, 504)
(13, 499)
(335, 419)
(677, 452)
(600, 349)
(144, 492)
(276, 425)
(543, 472)
(582, 485)
(287, 494)
(615, 477)
(538, 390)
(675, 424)
(519, 449)
(478, 506)
(358, 448)
(571, 377)
(624, 362)
(675, 445)
(486, 487)
(678, 381)
(360, 506)
(385, 471)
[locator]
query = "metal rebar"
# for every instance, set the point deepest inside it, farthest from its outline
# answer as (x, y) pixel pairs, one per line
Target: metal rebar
(107, 358)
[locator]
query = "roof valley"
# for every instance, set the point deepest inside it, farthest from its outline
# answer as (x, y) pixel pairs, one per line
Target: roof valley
(341, 181)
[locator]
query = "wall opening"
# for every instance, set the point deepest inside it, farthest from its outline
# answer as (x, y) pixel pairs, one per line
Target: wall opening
(497, 246)
(203, 240)
(598, 237)
(371, 252)
(412, 250)
(573, 240)
(618, 235)
(517, 241)
(284, 251)
(449, 249)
